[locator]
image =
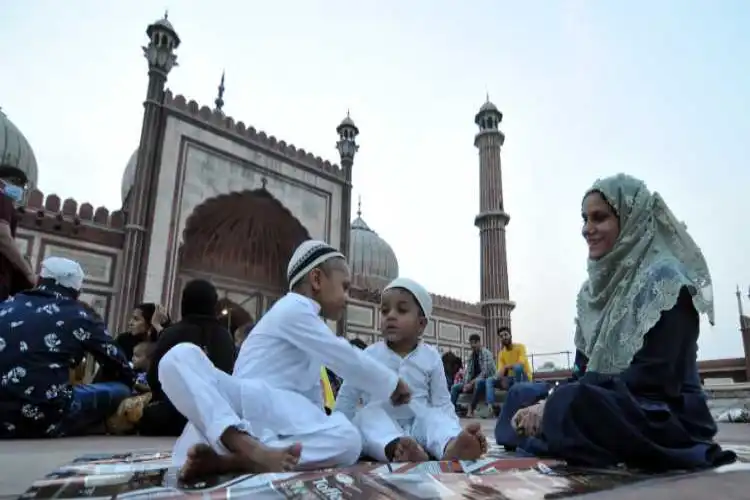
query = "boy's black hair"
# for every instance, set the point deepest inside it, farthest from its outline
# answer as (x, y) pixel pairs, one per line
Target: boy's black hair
(474, 337)
(503, 329)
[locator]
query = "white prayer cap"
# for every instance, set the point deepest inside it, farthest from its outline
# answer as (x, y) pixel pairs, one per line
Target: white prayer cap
(420, 293)
(65, 272)
(309, 255)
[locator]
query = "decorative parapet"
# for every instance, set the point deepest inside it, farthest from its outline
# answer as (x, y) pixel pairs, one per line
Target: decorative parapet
(258, 138)
(452, 304)
(438, 301)
(51, 214)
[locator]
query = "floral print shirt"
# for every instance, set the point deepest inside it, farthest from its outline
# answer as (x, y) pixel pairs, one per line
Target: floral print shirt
(43, 333)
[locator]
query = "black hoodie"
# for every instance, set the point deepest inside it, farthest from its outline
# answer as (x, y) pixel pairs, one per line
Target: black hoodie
(198, 326)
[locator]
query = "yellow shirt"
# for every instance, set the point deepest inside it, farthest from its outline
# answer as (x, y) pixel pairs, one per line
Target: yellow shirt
(328, 400)
(513, 356)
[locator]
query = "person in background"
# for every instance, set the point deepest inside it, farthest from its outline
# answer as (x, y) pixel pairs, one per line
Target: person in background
(146, 323)
(452, 365)
(512, 366)
(43, 333)
(481, 367)
(635, 398)
(143, 354)
(16, 273)
(512, 363)
(201, 327)
(241, 333)
(130, 410)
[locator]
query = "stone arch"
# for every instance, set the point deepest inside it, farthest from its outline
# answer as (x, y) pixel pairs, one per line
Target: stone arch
(248, 236)
(232, 315)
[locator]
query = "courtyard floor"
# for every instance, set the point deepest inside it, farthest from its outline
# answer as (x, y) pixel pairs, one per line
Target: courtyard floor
(21, 462)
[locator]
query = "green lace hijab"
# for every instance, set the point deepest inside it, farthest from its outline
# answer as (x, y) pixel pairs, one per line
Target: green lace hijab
(627, 289)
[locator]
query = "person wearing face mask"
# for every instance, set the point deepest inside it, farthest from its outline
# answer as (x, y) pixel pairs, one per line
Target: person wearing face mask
(16, 273)
(635, 397)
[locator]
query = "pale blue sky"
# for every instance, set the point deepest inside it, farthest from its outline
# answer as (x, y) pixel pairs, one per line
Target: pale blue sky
(656, 89)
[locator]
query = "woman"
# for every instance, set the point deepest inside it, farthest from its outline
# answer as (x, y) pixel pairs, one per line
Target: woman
(200, 326)
(146, 323)
(635, 397)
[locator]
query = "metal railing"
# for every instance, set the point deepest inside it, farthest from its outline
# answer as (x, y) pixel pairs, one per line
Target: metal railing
(550, 361)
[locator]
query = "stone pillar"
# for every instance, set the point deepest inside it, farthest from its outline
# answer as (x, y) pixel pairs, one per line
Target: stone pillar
(159, 53)
(491, 221)
(347, 146)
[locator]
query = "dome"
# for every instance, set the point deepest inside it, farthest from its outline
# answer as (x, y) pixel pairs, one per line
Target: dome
(128, 176)
(372, 260)
(488, 106)
(15, 152)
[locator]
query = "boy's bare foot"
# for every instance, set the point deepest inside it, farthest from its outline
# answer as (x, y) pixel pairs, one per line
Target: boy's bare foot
(257, 457)
(470, 444)
(202, 461)
(408, 450)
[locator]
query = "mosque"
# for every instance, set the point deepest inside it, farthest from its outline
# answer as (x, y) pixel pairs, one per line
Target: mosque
(206, 196)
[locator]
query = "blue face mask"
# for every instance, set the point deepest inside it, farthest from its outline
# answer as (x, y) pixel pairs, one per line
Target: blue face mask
(14, 192)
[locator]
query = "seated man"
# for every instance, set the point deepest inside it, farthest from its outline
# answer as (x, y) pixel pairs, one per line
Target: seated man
(43, 333)
(429, 425)
(481, 366)
(512, 366)
(268, 416)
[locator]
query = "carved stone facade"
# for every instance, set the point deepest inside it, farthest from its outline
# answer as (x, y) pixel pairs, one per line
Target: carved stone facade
(205, 196)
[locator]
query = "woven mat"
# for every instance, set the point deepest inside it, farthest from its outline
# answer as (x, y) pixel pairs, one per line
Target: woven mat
(500, 475)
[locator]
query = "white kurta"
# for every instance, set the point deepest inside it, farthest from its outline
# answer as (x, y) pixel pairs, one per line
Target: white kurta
(274, 394)
(432, 421)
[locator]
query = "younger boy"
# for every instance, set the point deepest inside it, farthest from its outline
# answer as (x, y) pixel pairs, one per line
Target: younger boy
(429, 425)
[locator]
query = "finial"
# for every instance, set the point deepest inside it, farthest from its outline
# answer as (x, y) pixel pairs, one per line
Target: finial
(263, 183)
(166, 14)
(487, 95)
(359, 206)
(220, 98)
(347, 113)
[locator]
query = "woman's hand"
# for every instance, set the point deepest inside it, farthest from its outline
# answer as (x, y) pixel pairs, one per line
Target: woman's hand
(528, 421)
(159, 318)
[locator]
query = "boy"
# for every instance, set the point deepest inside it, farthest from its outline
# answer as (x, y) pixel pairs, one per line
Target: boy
(142, 353)
(429, 425)
(268, 416)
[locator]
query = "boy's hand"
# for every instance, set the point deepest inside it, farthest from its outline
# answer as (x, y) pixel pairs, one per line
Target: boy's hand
(402, 394)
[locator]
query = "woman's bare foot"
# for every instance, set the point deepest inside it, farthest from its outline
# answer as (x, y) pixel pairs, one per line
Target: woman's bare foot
(408, 450)
(470, 444)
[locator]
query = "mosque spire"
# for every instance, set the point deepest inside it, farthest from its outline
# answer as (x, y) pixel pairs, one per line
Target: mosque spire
(359, 206)
(220, 98)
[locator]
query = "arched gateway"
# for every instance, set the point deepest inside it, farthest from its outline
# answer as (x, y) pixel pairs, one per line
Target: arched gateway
(242, 242)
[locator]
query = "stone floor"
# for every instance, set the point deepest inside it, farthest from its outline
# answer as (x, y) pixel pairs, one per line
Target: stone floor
(21, 462)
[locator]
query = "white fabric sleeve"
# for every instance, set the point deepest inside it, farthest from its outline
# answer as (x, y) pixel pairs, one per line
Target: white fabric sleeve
(309, 333)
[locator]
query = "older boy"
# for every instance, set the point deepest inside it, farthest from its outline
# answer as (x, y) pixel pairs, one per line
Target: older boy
(268, 416)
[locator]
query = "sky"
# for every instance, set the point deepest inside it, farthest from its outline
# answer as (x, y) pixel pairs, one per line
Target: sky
(658, 90)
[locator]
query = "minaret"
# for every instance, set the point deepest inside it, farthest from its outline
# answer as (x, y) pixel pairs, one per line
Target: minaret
(491, 221)
(744, 330)
(159, 54)
(347, 146)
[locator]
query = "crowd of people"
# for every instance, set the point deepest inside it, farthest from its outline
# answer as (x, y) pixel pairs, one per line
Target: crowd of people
(287, 393)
